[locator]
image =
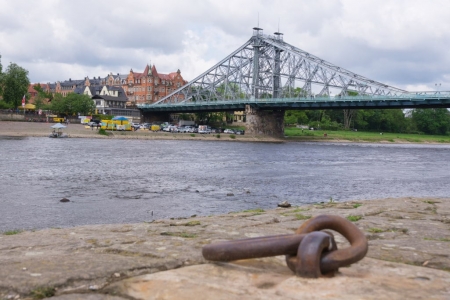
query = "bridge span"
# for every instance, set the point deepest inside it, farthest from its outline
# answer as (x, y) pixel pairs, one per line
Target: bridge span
(267, 76)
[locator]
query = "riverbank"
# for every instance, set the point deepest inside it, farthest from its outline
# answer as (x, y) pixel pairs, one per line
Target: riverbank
(39, 129)
(408, 257)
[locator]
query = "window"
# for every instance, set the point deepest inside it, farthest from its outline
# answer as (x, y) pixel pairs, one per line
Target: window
(149, 97)
(149, 88)
(143, 80)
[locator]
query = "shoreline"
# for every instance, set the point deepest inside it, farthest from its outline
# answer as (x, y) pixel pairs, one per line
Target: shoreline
(40, 129)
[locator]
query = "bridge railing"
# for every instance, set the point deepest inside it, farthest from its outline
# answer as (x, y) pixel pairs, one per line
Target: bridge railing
(415, 96)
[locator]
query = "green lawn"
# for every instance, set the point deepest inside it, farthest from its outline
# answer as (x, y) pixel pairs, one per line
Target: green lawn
(359, 136)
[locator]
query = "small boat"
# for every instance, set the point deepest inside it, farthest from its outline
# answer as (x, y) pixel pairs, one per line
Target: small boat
(58, 135)
(57, 132)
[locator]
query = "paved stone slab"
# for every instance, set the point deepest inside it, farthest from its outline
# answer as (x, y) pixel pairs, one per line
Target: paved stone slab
(369, 279)
(87, 259)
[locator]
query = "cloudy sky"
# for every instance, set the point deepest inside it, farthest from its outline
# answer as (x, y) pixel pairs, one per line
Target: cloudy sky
(403, 43)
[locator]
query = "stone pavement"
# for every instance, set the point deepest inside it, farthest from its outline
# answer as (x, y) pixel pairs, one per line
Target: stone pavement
(409, 248)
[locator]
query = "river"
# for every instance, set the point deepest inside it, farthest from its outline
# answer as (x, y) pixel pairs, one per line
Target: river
(129, 181)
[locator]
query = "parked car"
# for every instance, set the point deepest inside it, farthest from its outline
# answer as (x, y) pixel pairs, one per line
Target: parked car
(171, 128)
(240, 132)
(204, 129)
(183, 129)
(93, 123)
(145, 126)
(231, 131)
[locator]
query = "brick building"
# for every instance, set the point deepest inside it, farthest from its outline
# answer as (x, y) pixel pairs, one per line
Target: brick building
(150, 86)
(146, 87)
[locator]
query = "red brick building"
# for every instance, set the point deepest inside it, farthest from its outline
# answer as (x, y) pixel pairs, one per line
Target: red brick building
(150, 86)
(146, 87)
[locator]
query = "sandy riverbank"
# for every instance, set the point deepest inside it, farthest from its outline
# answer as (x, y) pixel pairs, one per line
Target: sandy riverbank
(38, 129)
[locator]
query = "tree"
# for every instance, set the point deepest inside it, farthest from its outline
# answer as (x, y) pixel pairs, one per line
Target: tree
(295, 116)
(44, 95)
(15, 84)
(1, 76)
(72, 104)
(432, 120)
(210, 117)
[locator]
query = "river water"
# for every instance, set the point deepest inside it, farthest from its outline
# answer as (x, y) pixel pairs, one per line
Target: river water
(128, 181)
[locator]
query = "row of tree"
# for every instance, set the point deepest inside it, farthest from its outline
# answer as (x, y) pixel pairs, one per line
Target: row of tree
(429, 121)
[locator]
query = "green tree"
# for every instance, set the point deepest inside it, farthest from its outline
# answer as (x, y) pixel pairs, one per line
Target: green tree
(42, 93)
(432, 120)
(15, 84)
(210, 118)
(72, 104)
(295, 116)
(1, 77)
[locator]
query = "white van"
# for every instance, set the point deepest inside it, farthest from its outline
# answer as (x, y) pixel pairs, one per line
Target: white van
(204, 129)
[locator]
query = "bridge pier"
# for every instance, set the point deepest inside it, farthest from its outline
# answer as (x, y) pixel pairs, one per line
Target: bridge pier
(264, 122)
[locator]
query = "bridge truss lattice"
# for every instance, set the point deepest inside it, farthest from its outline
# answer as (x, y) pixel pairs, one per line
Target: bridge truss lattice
(266, 67)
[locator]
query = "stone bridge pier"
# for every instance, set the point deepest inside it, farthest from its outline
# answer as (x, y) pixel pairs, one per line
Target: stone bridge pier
(264, 122)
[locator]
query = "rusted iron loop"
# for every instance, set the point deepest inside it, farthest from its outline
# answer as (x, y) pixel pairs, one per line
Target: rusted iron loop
(303, 250)
(310, 252)
(332, 260)
(253, 247)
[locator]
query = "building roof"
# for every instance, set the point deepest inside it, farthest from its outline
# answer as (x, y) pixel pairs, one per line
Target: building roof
(110, 98)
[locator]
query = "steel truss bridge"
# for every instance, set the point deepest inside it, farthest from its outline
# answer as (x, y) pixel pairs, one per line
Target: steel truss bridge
(270, 74)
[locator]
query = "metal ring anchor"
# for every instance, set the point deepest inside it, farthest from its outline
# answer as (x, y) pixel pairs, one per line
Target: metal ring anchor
(307, 254)
(331, 261)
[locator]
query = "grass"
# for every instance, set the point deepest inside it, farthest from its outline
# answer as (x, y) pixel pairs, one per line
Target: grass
(361, 136)
(43, 292)
(302, 217)
(218, 136)
(375, 230)
(180, 234)
(299, 209)
(356, 205)
(440, 239)
(256, 210)
(192, 223)
(103, 132)
(193, 135)
(12, 232)
(431, 202)
(232, 136)
(353, 218)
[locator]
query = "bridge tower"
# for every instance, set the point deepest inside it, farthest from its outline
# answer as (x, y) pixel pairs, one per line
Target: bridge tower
(262, 122)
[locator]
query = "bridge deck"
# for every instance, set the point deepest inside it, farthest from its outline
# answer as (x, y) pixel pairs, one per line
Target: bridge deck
(408, 100)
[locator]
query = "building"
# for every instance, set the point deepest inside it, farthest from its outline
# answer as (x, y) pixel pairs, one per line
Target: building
(151, 86)
(146, 87)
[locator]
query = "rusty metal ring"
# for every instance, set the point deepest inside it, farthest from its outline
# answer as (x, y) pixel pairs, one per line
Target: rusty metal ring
(331, 261)
(310, 252)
